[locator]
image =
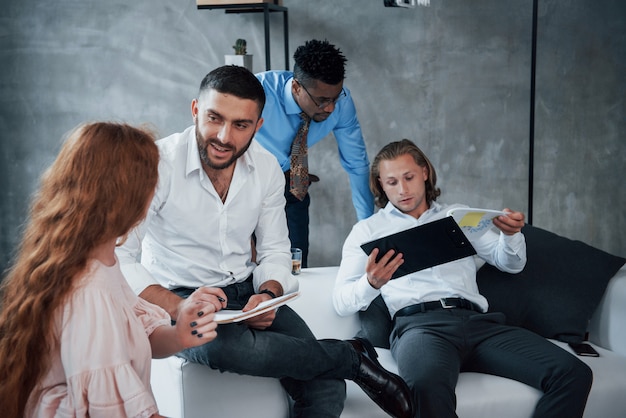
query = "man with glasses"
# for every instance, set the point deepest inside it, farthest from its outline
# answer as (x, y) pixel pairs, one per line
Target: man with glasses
(313, 94)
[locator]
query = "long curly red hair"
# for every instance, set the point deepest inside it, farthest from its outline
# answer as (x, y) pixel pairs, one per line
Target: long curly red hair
(96, 190)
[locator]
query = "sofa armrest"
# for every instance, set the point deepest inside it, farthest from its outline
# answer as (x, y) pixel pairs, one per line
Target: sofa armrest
(607, 327)
(189, 390)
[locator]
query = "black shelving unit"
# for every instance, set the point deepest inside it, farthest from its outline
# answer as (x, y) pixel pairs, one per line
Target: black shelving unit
(266, 9)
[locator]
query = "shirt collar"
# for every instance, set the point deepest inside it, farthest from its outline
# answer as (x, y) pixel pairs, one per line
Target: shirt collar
(193, 155)
(291, 107)
(246, 159)
(392, 210)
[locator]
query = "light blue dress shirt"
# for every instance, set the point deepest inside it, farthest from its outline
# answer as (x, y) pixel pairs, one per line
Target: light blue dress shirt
(281, 122)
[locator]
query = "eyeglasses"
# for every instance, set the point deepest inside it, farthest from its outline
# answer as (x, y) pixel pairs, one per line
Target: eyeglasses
(321, 104)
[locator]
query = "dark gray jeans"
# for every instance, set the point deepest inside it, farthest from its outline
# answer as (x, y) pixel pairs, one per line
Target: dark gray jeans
(311, 371)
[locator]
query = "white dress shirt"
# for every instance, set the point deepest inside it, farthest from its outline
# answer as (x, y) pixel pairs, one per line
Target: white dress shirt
(454, 279)
(190, 238)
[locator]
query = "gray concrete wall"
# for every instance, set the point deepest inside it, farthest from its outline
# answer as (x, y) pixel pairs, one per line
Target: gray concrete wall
(454, 77)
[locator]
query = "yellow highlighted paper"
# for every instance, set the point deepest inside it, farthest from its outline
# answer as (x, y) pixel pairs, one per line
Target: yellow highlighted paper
(471, 219)
(474, 221)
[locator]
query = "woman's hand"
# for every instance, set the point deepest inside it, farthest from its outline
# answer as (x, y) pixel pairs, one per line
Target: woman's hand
(195, 323)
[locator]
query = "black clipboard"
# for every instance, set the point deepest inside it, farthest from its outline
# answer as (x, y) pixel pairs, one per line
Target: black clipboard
(424, 246)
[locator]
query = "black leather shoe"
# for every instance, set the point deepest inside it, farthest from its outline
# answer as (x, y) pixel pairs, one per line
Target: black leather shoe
(388, 390)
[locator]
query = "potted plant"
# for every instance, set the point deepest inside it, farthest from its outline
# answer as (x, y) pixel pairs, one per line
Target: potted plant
(240, 58)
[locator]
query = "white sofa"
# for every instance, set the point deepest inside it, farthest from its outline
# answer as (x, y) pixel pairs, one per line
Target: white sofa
(189, 390)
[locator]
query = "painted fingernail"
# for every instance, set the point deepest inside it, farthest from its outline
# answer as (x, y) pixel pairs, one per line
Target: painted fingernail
(199, 335)
(194, 332)
(200, 313)
(193, 324)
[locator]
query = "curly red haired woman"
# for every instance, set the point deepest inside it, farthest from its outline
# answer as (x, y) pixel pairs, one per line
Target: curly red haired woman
(74, 338)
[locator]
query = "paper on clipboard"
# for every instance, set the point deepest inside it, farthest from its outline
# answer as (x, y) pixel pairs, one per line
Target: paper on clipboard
(226, 316)
(424, 246)
(474, 221)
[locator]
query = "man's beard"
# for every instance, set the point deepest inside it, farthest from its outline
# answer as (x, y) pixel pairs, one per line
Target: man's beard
(204, 155)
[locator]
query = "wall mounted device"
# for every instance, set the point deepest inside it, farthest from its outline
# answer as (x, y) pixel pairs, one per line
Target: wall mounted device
(399, 3)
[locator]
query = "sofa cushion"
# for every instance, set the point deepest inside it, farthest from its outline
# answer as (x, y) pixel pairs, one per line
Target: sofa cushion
(558, 290)
(376, 323)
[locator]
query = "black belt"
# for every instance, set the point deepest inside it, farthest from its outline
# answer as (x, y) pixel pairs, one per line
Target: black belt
(443, 303)
(186, 291)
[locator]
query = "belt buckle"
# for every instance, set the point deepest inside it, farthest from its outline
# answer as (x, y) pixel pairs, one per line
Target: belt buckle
(444, 303)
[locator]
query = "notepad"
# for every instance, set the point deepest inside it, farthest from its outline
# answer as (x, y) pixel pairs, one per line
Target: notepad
(424, 246)
(226, 316)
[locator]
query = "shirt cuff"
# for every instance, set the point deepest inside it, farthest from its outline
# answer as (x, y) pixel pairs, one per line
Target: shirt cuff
(264, 272)
(365, 291)
(515, 242)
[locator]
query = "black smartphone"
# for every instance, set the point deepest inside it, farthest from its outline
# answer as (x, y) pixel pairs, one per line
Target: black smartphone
(584, 349)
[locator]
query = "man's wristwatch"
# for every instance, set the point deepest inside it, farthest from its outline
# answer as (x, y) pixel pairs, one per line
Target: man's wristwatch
(269, 292)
